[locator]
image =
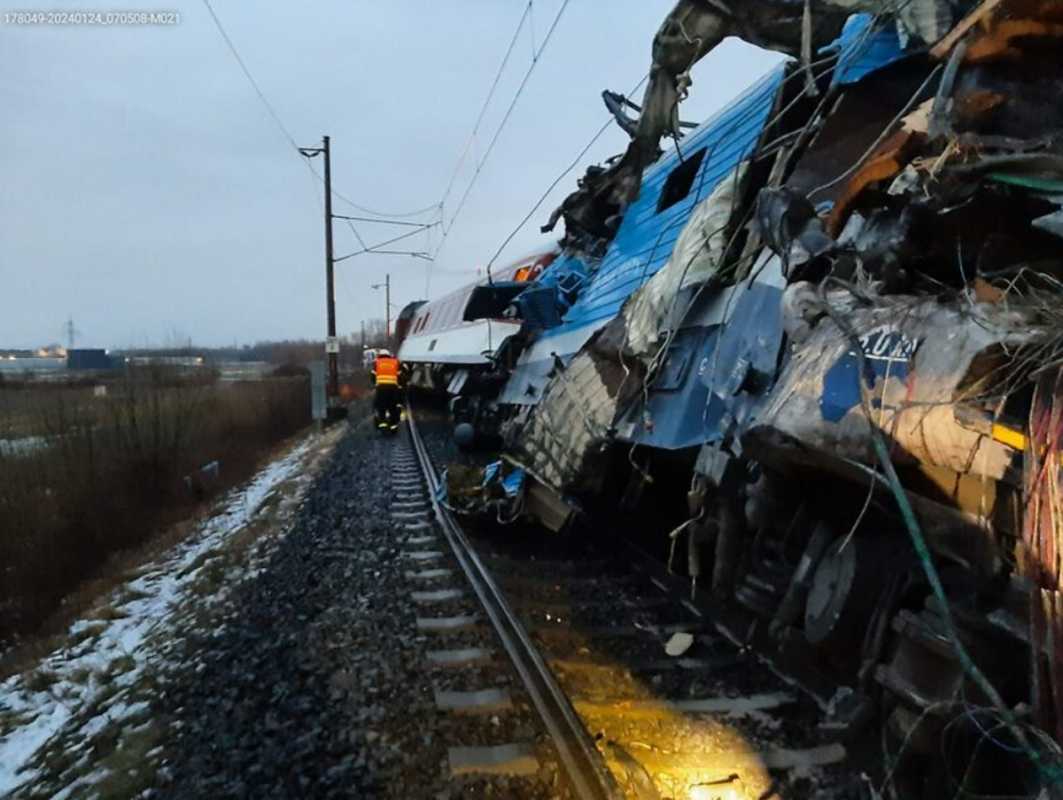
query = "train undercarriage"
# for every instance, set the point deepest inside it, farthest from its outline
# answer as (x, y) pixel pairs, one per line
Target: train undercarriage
(828, 581)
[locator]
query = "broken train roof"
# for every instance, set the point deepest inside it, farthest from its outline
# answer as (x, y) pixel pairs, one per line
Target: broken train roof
(894, 156)
(598, 284)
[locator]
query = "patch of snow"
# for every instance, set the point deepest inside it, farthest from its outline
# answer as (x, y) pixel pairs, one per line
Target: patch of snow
(89, 780)
(27, 444)
(113, 653)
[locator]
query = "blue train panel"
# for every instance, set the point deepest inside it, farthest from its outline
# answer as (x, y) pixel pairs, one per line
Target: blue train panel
(648, 232)
(680, 407)
(865, 46)
(716, 371)
(646, 237)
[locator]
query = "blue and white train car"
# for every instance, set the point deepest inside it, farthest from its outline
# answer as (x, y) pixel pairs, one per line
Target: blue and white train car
(462, 344)
(671, 188)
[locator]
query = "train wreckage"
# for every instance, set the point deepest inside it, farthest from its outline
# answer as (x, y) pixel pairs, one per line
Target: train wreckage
(814, 347)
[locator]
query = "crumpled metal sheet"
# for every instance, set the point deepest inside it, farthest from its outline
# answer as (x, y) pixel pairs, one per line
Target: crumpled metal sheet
(695, 259)
(476, 490)
(689, 33)
(924, 21)
(574, 421)
(863, 50)
(919, 352)
(789, 225)
(1001, 29)
(718, 365)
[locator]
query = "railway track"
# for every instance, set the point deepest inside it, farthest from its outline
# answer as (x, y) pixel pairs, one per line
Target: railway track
(638, 693)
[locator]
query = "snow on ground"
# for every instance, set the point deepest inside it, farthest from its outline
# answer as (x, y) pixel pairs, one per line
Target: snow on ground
(84, 687)
(27, 444)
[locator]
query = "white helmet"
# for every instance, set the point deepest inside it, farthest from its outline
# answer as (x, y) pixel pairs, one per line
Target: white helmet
(383, 351)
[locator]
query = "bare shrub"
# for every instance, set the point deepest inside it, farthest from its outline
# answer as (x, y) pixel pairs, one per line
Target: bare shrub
(94, 475)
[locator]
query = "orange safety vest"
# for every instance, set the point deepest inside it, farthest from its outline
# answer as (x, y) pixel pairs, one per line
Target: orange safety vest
(386, 371)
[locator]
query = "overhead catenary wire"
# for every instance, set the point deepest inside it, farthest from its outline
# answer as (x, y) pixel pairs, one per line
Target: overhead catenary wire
(509, 111)
(250, 78)
(269, 106)
(556, 181)
(502, 125)
(385, 214)
(284, 129)
(420, 225)
(487, 102)
(542, 199)
(376, 247)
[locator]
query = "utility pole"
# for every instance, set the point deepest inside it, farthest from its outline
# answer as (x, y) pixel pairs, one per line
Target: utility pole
(330, 287)
(387, 307)
(332, 344)
(71, 334)
(363, 334)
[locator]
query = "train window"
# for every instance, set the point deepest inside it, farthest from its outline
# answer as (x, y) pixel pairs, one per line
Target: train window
(681, 181)
(432, 345)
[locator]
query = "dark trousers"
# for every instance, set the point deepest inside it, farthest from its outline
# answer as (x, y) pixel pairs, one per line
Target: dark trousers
(388, 405)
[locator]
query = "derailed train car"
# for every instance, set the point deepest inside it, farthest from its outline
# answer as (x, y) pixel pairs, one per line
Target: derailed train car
(817, 344)
(464, 344)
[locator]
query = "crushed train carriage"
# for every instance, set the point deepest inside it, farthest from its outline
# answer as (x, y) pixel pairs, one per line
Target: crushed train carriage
(465, 344)
(822, 333)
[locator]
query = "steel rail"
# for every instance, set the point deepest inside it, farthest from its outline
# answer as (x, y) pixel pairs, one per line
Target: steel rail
(585, 768)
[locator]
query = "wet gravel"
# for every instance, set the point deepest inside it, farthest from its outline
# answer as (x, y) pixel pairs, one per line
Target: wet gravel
(318, 685)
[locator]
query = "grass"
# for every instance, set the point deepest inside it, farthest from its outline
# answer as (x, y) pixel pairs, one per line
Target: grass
(109, 613)
(118, 467)
(128, 754)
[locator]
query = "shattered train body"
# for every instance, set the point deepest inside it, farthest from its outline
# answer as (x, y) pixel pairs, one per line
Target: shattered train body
(464, 344)
(813, 348)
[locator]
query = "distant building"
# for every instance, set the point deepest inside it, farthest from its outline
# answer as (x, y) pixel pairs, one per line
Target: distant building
(167, 361)
(83, 359)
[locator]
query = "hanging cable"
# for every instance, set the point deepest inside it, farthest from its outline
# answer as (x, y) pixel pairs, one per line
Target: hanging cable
(391, 215)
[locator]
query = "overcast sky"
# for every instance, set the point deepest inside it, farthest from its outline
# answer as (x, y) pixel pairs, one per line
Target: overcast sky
(146, 192)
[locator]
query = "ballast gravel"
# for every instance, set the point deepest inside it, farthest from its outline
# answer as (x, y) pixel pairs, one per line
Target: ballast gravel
(318, 685)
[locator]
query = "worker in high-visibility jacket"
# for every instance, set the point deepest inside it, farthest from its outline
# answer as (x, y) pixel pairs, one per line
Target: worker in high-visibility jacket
(387, 378)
